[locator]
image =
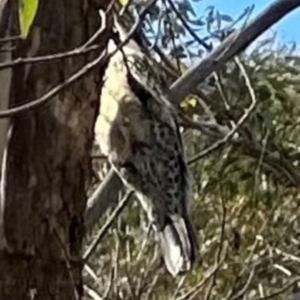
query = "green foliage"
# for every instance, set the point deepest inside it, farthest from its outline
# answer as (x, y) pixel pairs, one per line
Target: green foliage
(27, 12)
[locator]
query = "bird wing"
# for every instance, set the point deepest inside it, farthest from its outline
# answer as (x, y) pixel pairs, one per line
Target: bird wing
(150, 87)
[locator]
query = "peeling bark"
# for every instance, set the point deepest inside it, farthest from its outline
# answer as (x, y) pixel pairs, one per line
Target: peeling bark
(48, 159)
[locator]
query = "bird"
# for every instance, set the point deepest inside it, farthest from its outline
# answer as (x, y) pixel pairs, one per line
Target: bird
(137, 130)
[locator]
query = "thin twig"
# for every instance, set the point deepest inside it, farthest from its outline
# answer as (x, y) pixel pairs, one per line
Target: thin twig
(169, 28)
(281, 291)
(10, 39)
(241, 121)
(219, 253)
(198, 286)
(45, 58)
(92, 293)
(91, 272)
(152, 285)
(99, 156)
(209, 128)
(188, 28)
(47, 97)
(102, 232)
(103, 26)
(57, 89)
(83, 49)
(241, 293)
(110, 283)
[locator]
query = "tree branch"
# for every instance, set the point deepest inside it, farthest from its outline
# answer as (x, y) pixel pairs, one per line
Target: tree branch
(102, 198)
(241, 121)
(235, 43)
(47, 97)
(46, 58)
(102, 232)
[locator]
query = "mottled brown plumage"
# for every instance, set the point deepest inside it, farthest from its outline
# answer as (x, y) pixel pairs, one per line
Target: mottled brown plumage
(137, 131)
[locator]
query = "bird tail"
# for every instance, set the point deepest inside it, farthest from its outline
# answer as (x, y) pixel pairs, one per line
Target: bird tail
(178, 244)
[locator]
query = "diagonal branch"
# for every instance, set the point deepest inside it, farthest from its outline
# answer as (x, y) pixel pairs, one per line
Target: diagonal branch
(47, 97)
(121, 205)
(84, 49)
(241, 121)
(46, 58)
(108, 189)
(236, 42)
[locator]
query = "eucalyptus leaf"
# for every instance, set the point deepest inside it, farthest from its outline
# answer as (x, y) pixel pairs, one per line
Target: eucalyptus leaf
(198, 22)
(178, 52)
(27, 13)
(185, 6)
(226, 18)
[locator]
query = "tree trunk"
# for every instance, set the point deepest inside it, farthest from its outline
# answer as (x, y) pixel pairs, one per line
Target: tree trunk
(48, 158)
(6, 30)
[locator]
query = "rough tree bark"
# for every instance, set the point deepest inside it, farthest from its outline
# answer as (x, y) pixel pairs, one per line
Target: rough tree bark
(6, 74)
(48, 158)
(6, 30)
